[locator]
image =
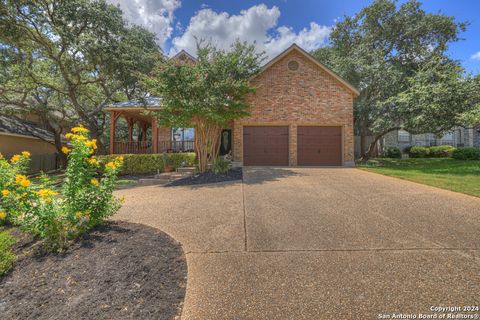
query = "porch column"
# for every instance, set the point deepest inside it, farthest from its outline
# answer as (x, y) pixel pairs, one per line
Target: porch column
(113, 122)
(154, 135)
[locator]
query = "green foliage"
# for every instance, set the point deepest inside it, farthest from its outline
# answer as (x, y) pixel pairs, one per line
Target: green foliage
(419, 152)
(437, 97)
(467, 153)
(81, 51)
(207, 94)
(84, 200)
(221, 165)
(7, 258)
(380, 50)
(392, 152)
(151, 163)
(431, 152)
(441, 151)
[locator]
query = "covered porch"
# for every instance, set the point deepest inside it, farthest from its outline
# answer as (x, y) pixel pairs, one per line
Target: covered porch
(134, 131)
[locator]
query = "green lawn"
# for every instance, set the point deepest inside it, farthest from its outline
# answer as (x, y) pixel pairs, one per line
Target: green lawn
(455, 175)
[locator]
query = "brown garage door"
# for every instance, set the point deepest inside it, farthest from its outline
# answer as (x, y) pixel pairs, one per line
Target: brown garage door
(265, 146)
(319, 146)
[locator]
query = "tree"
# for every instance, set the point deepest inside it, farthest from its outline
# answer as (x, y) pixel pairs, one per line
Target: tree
(438, 98)
(80, 49)
(379, 50)
(207, 95)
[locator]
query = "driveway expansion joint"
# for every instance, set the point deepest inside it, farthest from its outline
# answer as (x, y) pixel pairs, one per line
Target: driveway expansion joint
(244, 216)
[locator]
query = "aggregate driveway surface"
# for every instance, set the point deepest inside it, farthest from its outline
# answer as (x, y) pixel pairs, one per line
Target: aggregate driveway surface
(317, 243)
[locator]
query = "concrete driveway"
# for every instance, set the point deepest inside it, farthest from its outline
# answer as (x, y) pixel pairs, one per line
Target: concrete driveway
(298, 243)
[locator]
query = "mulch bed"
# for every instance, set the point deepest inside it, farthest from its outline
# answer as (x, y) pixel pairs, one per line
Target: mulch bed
(118, 271)
(208, 177)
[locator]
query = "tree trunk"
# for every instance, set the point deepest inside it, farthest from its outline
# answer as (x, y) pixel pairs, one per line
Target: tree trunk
(58, 146)
(207, 142)
(371, 147)
(363, 139)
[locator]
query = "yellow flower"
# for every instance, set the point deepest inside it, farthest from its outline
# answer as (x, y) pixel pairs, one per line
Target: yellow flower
(69, 135)
(19, 178)
(65, 150)
(111, 165)
(92, 144)
(3, 215)
(94, 182)
(80, 129)
(78, 214)
(15, 158)
(26, 154)
(93, 161)
(122, 199)
(46, 193)
(119, 158)
(25, 183)
(5, 193)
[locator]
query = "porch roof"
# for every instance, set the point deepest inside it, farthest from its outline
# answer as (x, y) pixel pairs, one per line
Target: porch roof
(149, 103)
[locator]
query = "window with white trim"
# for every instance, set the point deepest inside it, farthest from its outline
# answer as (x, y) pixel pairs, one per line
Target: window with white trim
(403, 136)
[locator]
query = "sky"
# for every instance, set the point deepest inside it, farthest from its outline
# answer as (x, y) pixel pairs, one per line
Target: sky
(275, 25)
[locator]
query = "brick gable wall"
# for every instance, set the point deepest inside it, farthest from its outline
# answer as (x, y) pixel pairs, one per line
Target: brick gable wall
(308, 96)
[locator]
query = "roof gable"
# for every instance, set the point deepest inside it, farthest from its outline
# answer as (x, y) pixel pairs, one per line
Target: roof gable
(295, 47)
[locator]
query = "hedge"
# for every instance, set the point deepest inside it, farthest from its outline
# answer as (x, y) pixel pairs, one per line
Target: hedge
(418, 152)
(150, 163)
(392, 152)
(431, 152)
(467, 153)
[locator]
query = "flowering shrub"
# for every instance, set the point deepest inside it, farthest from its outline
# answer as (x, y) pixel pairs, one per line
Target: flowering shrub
(58, 216)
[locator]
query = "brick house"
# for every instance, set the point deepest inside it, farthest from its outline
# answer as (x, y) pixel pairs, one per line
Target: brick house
(301, 114)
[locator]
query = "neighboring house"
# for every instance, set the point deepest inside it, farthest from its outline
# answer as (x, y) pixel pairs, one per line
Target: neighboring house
(458, 137)
(17, 135)
(301, 114)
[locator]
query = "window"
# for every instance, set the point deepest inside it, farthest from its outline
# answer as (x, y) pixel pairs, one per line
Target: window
(293, 65)
(448, 137)
(403, 136)
(182, 139)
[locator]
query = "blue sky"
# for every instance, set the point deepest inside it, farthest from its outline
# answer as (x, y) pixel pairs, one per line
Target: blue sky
(274, 25)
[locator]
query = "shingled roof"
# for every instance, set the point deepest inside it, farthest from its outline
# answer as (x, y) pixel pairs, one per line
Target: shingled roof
(15, 126)
(147, 103)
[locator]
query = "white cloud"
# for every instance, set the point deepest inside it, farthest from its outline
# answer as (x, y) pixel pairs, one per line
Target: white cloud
(257, 24)
(476, 56)
(155, 15)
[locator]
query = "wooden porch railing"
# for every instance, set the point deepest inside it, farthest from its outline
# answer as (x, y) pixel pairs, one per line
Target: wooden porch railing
(176, 146)
(144, 147)
(135, 147)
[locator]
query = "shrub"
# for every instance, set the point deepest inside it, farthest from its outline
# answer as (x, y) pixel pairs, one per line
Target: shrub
(84, 200)
(7, 258)
(406, 150)
(392, 152)
(467, 153)
(150, 163)
(441, 151)
(419, 152)
(222, 165)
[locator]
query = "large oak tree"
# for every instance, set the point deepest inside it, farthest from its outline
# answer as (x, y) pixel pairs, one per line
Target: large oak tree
(396, 54)
(82, 50)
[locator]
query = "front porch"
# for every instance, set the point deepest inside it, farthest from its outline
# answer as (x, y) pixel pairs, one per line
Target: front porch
(140, 134)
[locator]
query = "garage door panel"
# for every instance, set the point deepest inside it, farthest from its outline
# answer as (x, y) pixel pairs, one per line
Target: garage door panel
(319, 146)
(265, 146)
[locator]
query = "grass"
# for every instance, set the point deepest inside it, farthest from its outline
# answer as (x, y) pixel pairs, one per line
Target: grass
(446, 173)
(7, 258)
